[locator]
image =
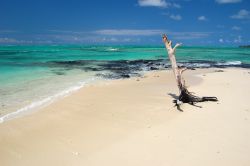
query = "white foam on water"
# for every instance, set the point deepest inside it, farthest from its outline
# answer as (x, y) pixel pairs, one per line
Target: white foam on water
(44, 101)
(230, 63)
(198, 65)
(112, 49)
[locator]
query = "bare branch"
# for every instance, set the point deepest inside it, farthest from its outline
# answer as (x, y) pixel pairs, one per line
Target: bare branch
(170, 44)
(182, 70)
(177, 45)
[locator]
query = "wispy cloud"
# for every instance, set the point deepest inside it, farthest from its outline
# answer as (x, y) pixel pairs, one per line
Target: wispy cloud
(104, 36)
(236, 28)
(66, 31)
(227, 1)
(221, 40)
(176, 5)
(242, 14)
(153, 32)
(238, 39)
(190, 35)
(7, 31)
(129, 32)
(117, 40)
(154, 3)
(175, 17)
(133, 35)
(6, 40)
(202, 18)
(158, 3)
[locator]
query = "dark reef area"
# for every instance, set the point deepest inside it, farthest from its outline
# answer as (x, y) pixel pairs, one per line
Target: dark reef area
(129, 68)
(245, 46)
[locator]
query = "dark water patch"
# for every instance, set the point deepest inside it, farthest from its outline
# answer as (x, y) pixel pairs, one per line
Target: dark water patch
(78, 64)
(7, 53)
(244, 54)
(93, 69)
(127, 68)
(115, 69)
(118, 75)
(244, 65)
(244, 46)
(17, 58)
(58, 72)
(160, 56)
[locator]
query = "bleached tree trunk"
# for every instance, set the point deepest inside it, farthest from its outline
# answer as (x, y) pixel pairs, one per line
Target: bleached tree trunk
(171, 55)
(185, 96)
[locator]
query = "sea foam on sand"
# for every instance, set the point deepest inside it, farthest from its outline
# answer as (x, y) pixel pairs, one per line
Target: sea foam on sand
(36, 104)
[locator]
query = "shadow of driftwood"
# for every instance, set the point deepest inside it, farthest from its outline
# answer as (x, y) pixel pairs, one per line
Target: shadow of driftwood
(175, 97)
(179, 108)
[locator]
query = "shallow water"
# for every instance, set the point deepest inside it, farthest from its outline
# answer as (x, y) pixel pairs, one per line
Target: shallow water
(34, 75)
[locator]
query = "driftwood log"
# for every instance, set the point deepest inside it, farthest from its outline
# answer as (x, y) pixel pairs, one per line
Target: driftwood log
(185, 96)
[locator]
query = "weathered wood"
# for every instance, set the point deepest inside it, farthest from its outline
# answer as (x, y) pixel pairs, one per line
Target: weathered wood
(171, 55)
(185, 96)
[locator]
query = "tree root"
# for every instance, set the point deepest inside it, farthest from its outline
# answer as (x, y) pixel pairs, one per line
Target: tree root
(187, 97)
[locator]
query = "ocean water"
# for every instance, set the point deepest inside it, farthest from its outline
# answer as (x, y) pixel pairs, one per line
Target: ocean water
(31, 76)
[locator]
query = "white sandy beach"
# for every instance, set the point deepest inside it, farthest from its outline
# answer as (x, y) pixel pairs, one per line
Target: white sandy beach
(133, 122)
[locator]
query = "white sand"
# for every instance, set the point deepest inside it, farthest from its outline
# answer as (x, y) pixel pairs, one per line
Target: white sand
(133, 123)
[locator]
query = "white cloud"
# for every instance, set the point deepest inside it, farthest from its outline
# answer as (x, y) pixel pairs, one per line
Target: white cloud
(189, 35)
(155, 3)
(238, 39)
(96, 39)
(99, 36)
(227, 1)
(6, 40)
(236, 28)
(176, 5)
(242, 14)
(158, 3)
(175, 17)
(91, 37)
(129, 32)
(221, 40)
(152, 32)
(202, 18)
(104, 36)
(7, 31)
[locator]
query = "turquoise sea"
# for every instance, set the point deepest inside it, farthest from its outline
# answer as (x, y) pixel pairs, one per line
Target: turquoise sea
(31, 76)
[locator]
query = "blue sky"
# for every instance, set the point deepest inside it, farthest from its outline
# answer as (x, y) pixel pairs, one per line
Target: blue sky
(192, 22)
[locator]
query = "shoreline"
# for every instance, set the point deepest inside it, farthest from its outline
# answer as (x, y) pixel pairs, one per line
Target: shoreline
(40, 104)
(134, 122)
